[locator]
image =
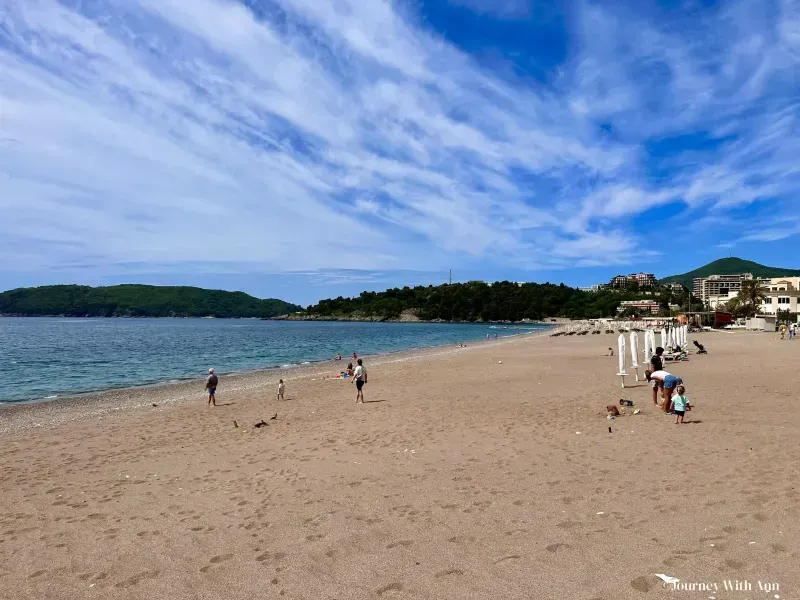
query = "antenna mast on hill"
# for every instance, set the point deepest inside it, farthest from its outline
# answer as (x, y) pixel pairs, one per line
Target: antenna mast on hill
(451, 276)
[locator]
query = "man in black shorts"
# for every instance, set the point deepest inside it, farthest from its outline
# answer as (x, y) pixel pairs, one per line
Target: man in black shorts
(360, 378)
(211, 387)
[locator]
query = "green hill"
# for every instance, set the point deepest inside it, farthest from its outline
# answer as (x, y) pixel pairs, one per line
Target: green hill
(731, 266)
(132, 300)
(479, 301)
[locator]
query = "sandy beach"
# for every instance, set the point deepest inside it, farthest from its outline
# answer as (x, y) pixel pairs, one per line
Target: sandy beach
(459, 478)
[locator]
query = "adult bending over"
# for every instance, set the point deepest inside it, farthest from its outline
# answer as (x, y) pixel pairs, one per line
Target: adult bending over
(666, 382)
(360, 379)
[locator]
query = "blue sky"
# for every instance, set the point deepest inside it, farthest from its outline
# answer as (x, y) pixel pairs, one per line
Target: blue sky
(304, 149)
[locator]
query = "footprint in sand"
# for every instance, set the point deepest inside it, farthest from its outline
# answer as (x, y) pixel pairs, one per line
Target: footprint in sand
(447, 572)
(507, 558)
(400, 543)
(215, 560)
(642, 584)
(461, 539)
(556, 547)
(735, 564)
(390, 589)
(137, 579)
(270, 556)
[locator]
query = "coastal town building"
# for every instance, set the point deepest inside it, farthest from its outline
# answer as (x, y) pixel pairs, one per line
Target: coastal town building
(676, 287)
(643, 280)
(718, 286)
(619, 282)
(782, 294)
(644, 306)
(592, 288)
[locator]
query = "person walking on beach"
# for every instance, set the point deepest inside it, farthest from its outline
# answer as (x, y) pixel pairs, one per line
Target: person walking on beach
(211, 387)
(281, 388)
(679, 404)
(360, 379)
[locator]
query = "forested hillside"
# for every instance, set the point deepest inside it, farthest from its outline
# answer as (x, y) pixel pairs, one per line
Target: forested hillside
(137, 301)
(478, 301)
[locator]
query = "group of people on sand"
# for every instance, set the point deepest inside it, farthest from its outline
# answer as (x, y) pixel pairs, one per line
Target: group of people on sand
(791, 329)
(358, 375)
(671, 388)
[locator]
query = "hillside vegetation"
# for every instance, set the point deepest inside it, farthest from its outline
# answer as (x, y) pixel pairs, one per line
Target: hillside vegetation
(478, 301)
(137, 301)
(731, 266)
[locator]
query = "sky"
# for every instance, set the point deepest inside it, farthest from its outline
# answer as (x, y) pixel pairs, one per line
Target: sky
(305, 149)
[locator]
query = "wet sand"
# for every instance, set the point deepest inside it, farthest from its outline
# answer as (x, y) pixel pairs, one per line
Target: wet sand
(460, 478)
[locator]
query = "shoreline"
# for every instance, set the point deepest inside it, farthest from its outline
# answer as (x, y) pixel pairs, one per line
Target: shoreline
(43, 413)
(236, 371)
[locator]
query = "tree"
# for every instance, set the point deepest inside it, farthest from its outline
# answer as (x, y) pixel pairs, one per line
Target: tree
(734, 307)
(752, 296)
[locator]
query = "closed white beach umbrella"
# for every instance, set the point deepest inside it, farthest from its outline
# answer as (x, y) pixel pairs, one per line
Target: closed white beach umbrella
(683, 336)
(622, 357)
(686, 335)
(635, 353)
(664, 338)
(653, 344)
(648, 346)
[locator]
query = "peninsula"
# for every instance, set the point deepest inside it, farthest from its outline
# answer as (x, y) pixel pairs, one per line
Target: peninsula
(134, 300)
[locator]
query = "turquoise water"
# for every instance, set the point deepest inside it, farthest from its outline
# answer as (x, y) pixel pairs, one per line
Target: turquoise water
(44, 358)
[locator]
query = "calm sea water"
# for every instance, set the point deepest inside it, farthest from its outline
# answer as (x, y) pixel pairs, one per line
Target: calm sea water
(44, 358)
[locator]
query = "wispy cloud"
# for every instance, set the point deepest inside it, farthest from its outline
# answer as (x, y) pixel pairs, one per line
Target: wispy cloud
(302, 135)
(498, 8)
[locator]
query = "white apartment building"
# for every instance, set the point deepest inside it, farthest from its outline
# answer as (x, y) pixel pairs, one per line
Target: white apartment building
(719, 286)
(782, 293)
(645, 306)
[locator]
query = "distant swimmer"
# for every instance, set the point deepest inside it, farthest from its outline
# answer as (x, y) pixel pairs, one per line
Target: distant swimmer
(211, 387)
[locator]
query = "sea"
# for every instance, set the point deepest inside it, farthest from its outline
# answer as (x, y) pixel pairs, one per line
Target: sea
(45, 358)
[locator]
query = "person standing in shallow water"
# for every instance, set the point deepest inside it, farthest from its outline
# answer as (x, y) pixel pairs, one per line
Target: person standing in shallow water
(211, 387)
(360, 378)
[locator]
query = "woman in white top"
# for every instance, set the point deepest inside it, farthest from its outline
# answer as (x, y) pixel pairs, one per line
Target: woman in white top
(360, 378)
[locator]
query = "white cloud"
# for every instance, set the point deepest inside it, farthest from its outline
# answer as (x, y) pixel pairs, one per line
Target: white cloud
(315, 135)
